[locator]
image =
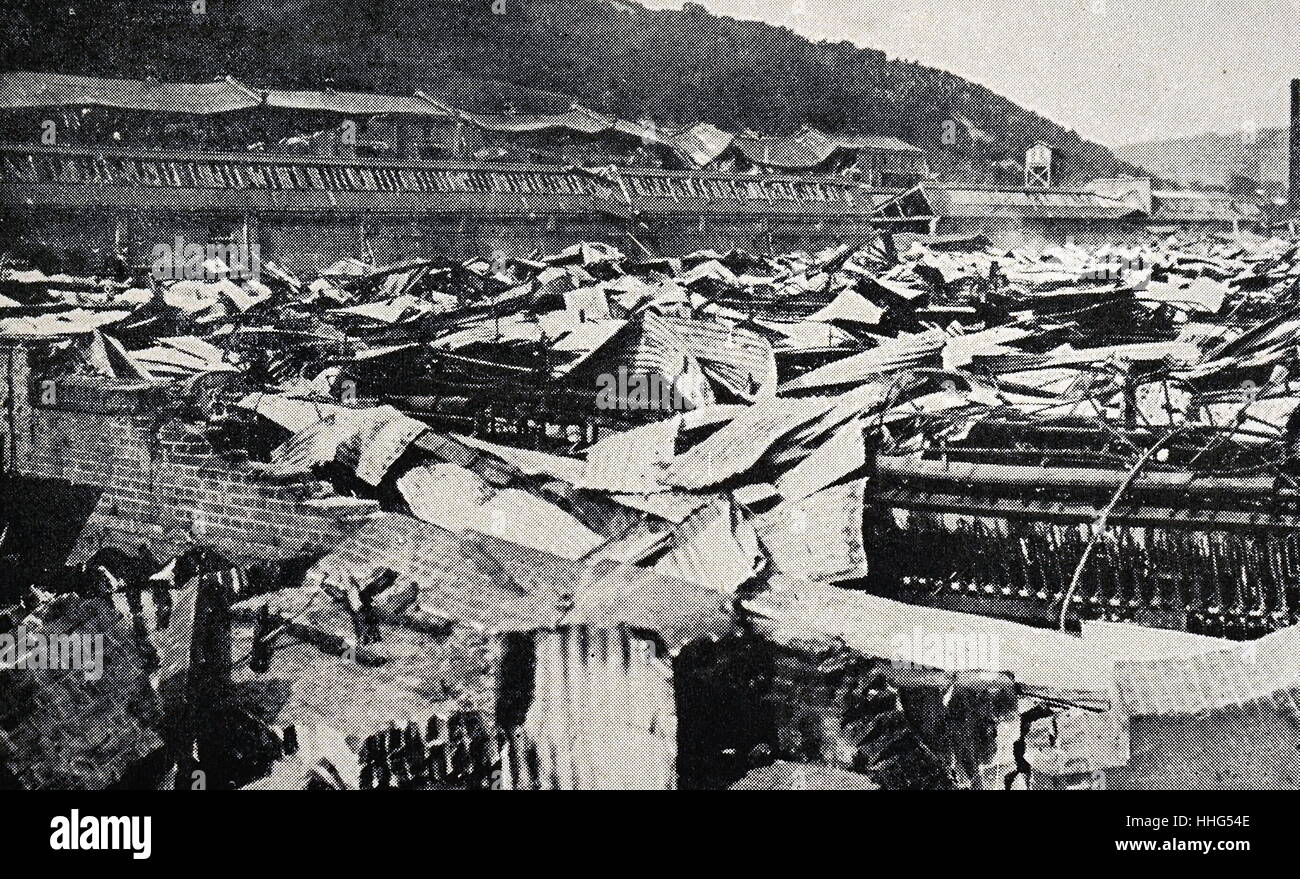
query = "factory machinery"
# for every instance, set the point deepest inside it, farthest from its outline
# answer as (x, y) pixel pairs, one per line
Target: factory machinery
(1203, 536)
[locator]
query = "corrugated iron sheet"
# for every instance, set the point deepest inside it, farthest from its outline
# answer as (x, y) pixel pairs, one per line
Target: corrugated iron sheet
(602, 715)
(369, 441)
(716, 546)
(354, 103)
(30, 89)
(818, 537)
(1265, 672)
(457, 499)
(1051, 663)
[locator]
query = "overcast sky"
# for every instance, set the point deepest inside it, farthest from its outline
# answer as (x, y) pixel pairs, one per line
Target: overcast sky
(1116, 71)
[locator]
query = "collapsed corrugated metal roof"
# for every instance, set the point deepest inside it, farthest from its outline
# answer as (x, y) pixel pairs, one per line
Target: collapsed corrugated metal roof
(354, 103)
(499, 585)
(808, 149)
(811, 148)
(576, 120)
(31, 89)
(1051, 664)
(955, 442)
(703, 142)
(455, 498)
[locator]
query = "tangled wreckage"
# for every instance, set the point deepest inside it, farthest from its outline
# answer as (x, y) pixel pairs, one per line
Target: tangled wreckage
(915, 514)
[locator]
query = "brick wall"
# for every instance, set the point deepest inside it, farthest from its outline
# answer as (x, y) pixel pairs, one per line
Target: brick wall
(163, 484)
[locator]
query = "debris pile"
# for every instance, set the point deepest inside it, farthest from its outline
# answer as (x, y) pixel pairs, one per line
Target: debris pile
(672, 446)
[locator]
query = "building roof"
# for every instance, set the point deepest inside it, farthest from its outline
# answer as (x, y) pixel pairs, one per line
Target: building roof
(962, 200)
(876, 142)
(810, 147)
(1173, 205)
(698, 145)
(579, 120)
(703, 143)
(28, 89)
(354, 103)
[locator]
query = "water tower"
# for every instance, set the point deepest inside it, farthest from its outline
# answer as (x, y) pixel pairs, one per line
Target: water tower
(1038, 166)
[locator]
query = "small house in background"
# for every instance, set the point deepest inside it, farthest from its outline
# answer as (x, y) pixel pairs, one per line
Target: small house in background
(886, 161)
(876, 160)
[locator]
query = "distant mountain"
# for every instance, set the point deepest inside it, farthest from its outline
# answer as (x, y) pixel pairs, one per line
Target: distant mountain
(672, 66)
(1232, 161)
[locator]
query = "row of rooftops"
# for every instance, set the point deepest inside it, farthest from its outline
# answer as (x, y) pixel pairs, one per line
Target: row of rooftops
(31, 164)
(701, 144)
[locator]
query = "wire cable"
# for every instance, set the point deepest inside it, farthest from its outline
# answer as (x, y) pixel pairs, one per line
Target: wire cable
(1099, 526)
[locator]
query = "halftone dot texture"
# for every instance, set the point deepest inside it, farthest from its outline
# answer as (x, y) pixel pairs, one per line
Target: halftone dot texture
(504, 664)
